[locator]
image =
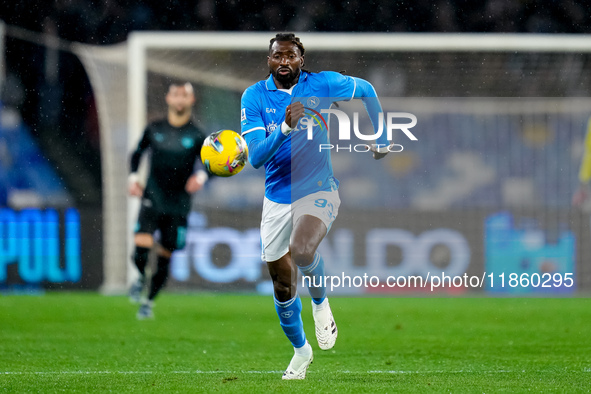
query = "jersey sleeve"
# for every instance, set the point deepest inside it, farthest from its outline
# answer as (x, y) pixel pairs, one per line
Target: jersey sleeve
(250, 114)
(142, 145)
(341, 87)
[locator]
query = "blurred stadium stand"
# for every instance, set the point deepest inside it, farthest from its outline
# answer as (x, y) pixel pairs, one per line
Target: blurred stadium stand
(27, 179)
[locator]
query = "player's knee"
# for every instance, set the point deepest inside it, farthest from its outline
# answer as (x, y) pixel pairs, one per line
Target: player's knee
(302, 256)
(284, 284)
(284, 277)
(283, 291)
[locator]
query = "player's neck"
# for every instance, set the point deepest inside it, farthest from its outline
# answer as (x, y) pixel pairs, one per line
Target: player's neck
(178, 120)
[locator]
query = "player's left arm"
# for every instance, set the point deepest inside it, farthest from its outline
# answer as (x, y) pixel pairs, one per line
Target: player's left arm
(135, 188)
(366, 92)
(197, 180)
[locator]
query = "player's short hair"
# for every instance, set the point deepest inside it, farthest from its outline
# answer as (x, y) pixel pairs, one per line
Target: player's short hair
(187, 85)
(288, 37)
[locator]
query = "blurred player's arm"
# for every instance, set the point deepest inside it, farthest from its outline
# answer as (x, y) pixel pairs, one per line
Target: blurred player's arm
(135, 187)
(198, 179)
(582, 192)
(366, 92)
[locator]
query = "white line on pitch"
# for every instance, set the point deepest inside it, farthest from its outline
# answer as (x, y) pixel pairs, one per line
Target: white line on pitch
(252, 372)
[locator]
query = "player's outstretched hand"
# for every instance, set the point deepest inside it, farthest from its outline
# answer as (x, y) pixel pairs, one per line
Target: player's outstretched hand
(293, 113)
(381, 153)
(135, 189)
(194, 184)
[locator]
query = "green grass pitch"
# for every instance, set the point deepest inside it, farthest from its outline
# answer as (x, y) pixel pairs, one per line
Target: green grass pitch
(84, 342)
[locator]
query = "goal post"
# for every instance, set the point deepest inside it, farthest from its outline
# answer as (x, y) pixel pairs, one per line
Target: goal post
(538, 84)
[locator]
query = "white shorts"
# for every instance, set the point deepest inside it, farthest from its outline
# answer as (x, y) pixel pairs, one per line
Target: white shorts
(278, 219)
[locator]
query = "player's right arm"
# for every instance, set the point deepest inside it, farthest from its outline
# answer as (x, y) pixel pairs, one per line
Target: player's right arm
(347, 87)
(135, 188)
(261, 147)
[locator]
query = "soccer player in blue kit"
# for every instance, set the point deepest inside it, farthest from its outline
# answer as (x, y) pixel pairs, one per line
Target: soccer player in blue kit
(301, 194)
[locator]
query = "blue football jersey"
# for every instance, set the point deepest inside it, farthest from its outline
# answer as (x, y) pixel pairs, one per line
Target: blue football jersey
(298, 168)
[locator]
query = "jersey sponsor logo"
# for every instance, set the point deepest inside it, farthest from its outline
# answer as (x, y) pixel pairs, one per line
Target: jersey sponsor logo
(313, 102)
(271, 110)
(187, 142)
(243, 115)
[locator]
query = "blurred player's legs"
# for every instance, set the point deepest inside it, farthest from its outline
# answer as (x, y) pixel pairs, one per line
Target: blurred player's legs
(135, 291)
(160, 276)
(172, 237)
(145, 311)
(147, 223)
(140, 258)
(157, 282)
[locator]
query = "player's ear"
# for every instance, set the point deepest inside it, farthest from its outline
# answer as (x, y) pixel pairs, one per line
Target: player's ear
(302, 61)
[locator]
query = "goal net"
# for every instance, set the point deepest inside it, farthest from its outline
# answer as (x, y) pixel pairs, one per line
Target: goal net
(486, 189)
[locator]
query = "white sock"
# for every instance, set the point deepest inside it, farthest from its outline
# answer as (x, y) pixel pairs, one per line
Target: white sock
(303, 351)
(321, 306)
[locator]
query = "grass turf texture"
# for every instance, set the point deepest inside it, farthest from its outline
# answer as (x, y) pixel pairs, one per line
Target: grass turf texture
(233, 343)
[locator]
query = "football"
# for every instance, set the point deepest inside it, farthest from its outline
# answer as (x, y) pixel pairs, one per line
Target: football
(224, 153)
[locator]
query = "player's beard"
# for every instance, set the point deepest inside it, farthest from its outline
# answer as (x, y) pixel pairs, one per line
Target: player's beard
(181, 110)
(286, 79)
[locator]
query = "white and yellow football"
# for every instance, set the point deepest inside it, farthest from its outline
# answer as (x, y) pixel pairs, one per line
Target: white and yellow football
(224, 153)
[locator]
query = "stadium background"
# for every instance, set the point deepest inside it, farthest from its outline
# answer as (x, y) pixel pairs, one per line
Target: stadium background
(520, 181)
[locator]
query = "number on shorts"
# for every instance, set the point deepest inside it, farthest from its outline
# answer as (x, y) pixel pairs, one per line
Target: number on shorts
(320, 203)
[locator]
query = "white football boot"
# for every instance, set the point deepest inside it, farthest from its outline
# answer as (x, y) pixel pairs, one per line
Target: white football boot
(296, 370)
(326, 328)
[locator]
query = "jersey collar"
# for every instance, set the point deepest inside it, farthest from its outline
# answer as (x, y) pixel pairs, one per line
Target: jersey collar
(270, 83)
